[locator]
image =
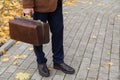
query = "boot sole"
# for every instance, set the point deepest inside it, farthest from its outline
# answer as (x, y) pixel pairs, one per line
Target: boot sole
(44, 75)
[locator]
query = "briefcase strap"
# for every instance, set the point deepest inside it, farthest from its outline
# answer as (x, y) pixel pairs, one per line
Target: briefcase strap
(43, 31)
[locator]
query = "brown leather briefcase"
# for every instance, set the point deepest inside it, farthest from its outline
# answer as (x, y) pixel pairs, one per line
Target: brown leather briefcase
(29, 31)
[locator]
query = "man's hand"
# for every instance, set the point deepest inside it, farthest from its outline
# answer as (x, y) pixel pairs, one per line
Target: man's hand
(28, 11)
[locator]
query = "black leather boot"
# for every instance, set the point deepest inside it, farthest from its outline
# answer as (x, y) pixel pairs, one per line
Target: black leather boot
(43, 70)
(65, 68)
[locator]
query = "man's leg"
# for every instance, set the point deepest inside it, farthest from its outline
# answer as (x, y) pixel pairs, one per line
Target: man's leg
(38, 49)
(55, 20)
(41, 60)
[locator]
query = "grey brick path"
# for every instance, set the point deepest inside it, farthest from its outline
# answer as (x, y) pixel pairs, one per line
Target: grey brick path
(91, 44)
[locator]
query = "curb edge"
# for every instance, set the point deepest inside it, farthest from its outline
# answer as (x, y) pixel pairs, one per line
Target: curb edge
(7, 45)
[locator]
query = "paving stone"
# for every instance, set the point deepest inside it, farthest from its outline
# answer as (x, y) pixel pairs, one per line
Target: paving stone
(89, 56)
(103, 76)
(1, 78)
(26, 63)
(11, 69)
(36, 76)
(30, 71)
(2, 69)
(6, 75)
(58, 77)
(13, 76)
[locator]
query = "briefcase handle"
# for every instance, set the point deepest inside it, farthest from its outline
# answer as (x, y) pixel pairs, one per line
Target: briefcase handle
(31, 15)
(26, 18)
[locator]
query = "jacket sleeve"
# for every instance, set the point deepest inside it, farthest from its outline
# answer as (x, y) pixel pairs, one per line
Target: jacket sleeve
(28, 3)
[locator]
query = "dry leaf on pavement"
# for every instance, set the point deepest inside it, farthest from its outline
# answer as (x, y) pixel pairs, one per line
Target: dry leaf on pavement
(110, 63)
(88, 68)
(5, 59)
(94, 37)
(6, 54)
(22, 76)
(18, 42)
(3, 52)
(16, 63)
(31, 49)
(65, 12)
(50, 69)
(109, 53)
(106, 66)
(20, 56)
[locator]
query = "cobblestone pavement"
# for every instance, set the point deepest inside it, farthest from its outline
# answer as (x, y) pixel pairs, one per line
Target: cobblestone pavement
(91, 44)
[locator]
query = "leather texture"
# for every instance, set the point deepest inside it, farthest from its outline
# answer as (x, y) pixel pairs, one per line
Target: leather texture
(41, 5)
(29, 31)
(65, 68)
(43, 70)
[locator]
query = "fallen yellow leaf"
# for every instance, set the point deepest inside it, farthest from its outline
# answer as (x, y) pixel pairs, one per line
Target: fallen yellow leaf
(2, 34)
(31, 49)
(5, 54)
(90, 2)
(118, 15)
(110, 63)
(101, 4)
(6, 28)
(50, 69)
(65, 12)
(16, 63)
(98, 19)
(94, 37)
(106, 66)
(23, 76)
(18, 42)
(1, 6)
(20, 56)
(88, 68)
(69, 3)
(5, 59)
(109, 53)
(118, 19)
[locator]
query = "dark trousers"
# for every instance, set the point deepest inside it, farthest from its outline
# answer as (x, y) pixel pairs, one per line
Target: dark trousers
(55, 20)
